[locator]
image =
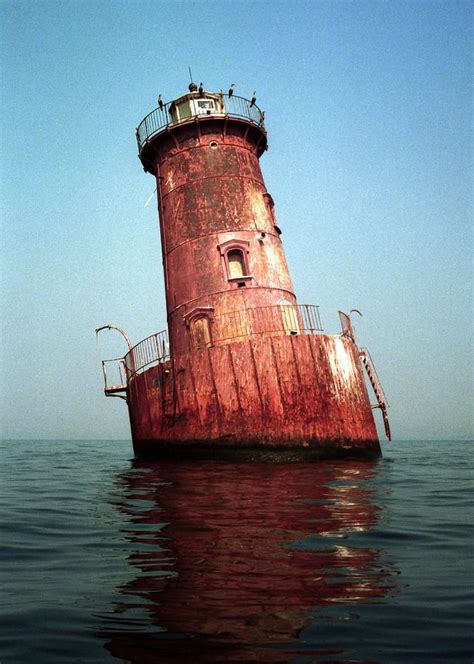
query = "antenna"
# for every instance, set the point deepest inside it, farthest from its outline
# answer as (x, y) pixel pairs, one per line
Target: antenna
(192, 86)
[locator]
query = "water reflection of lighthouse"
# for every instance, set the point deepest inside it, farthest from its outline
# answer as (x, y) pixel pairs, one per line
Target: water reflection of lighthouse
(232, 558)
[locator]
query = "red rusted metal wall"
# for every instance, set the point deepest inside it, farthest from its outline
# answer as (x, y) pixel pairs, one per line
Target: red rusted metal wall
(212, 196)
(305, 392)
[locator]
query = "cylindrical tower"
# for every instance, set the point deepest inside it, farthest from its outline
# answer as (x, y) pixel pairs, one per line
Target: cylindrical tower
(222, 252)
(248, 372)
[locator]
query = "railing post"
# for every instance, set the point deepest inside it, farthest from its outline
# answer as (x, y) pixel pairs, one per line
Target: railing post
(269, 319)
(159, 119)
(104, 371)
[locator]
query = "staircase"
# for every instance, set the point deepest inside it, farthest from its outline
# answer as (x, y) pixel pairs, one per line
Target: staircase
(377, 388)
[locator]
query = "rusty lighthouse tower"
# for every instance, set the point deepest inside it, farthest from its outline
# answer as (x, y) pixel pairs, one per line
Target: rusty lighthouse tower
(242, 370)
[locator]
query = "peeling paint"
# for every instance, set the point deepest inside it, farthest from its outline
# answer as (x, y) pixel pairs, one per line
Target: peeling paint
(342, 366)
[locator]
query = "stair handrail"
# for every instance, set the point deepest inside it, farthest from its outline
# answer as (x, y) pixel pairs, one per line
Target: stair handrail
(365, 353)
(377, 387)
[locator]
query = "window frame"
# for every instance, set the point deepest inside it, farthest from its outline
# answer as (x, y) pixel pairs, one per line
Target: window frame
(242, 246)
(191, 318)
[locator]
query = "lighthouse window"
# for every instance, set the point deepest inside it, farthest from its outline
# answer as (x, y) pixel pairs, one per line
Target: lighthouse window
(236, 262)
(183, 111)
(202, 332)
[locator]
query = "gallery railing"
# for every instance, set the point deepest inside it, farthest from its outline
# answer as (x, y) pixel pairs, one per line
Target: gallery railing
(152, 350)
(274, 320)
(160, 118)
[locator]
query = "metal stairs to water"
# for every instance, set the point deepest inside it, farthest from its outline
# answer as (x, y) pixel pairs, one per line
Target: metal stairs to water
(377, 388)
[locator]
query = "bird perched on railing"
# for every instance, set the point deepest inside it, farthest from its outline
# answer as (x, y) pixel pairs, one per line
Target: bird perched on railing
(160, 102)
(231, 89)
(201, 89)
(254, 98)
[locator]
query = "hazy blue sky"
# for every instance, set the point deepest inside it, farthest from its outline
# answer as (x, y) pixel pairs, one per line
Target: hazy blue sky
(368, 110)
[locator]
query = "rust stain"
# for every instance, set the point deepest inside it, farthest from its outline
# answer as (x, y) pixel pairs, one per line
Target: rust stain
(262, 398)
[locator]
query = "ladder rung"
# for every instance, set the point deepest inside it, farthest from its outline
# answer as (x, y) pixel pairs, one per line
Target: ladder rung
(115, 388)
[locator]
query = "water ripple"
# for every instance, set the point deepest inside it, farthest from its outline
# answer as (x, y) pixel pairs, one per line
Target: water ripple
(105, 559)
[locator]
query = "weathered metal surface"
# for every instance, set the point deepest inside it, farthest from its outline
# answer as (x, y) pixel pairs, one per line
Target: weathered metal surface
(304, 392)
(232, 326)
(213, 200)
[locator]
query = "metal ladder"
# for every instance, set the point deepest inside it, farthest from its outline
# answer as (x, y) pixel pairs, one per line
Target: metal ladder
(118, 389)
(377, 388)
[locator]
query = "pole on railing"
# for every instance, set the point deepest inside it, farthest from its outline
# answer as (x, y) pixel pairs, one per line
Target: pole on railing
(104, 371)
(120, 331)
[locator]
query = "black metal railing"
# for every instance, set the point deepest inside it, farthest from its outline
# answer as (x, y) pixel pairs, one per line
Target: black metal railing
(273, 320)
(234, 107)
(152, 350)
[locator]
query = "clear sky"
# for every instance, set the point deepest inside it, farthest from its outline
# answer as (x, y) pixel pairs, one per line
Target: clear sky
(368, 110)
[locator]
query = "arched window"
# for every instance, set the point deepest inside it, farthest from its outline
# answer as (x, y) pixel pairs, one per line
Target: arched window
(201, 331)
(236, 262)
(198, 321)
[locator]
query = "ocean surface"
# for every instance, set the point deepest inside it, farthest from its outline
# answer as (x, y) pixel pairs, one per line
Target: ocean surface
(105, 559)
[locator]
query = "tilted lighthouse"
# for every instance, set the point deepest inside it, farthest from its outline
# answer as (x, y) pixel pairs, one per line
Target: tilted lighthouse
(243, 370)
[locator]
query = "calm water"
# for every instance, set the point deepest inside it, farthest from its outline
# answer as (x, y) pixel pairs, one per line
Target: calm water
(104, 558)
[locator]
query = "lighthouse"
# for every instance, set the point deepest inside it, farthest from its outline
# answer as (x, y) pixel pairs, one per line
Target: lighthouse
(243, 370)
